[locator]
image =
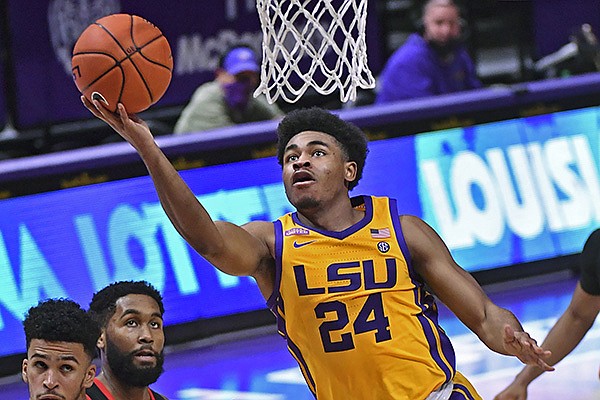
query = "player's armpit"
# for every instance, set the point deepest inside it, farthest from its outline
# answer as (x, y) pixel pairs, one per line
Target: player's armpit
(243, 250)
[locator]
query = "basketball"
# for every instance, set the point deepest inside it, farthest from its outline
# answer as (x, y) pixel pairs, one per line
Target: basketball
(122, 58)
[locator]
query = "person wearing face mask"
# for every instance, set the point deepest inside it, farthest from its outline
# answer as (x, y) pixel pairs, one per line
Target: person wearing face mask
(431, 62)
(228, 99)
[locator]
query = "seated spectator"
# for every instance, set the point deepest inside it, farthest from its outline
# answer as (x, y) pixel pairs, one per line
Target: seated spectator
(228, 99)
(432, 62)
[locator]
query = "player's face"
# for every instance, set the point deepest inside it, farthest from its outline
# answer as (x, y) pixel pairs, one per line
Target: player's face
(442, 24)
(315, 170)
(134, 340)
(57, 370)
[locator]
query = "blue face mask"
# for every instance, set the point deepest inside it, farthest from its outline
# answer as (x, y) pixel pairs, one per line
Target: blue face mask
(237, 94)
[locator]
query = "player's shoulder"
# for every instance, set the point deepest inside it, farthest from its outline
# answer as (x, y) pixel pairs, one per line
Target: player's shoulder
(417, 232)
(258, 226)
(591, 248)
(594, 239)
(591, 253)
(409, 221)
(94, 392)
(158, 396)
(263, 230)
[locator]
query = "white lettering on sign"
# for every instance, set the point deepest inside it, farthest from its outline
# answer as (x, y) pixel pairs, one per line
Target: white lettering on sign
(525, 187)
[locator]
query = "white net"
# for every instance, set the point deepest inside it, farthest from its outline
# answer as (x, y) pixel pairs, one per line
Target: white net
(313, 43)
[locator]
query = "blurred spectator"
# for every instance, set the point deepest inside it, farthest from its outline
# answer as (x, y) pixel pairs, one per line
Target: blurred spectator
(433, 61)
(228, 100)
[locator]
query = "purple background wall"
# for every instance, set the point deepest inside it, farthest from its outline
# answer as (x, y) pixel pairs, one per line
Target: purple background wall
(555, 20)
(198, 31)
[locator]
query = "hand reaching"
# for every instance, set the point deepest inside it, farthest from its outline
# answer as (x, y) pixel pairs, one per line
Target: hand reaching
(130, 127)
(522, 346)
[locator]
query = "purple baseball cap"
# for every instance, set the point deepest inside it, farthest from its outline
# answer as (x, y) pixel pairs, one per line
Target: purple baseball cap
(239, 60)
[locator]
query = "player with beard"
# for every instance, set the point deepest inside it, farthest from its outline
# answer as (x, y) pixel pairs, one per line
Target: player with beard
(348, 278)
(61, 344)
(432, 62)
(131, 341)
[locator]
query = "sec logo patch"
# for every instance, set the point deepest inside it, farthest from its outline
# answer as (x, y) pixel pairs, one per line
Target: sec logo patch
(383, 247)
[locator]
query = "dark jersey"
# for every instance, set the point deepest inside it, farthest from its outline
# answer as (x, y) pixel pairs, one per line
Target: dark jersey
(99, 392)
(589, 263)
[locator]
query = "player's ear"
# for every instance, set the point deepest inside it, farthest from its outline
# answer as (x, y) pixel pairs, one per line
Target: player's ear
(351, 171)
(90, 374)
(24, 370)
(101, 342)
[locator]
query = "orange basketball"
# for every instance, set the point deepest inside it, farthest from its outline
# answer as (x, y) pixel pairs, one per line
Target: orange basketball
(122, 58)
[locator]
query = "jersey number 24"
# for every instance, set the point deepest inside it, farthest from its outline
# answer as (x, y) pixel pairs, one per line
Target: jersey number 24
(370, 318)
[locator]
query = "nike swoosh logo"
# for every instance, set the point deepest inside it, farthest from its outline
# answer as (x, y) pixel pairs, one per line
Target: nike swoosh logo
(298, 245)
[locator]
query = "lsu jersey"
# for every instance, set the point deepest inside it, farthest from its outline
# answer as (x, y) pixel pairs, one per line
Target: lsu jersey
(356, 316)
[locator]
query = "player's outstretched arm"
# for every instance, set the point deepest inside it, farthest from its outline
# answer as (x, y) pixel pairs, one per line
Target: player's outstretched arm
(564, 336)
(243, 252)
(463, 295)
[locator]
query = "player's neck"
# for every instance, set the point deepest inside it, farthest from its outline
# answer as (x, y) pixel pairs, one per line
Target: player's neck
(121, 391)
(335, 219)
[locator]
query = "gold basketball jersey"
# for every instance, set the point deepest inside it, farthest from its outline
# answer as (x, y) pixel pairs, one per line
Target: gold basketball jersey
(356, 316)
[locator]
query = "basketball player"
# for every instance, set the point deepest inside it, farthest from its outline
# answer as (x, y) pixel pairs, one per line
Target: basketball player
(572, 326)
(344, 276)
(61, 344)
(131, 341)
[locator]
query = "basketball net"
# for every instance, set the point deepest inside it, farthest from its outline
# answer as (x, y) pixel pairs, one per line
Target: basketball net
(312, 43)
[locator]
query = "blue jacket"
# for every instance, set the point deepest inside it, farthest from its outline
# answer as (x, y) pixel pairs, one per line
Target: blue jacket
(415, 70)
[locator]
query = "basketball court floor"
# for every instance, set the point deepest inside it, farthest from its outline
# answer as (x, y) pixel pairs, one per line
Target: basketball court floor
(255, 365)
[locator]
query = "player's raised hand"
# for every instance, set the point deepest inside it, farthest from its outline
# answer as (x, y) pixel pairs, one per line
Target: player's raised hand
(129, 126)
(522, 346)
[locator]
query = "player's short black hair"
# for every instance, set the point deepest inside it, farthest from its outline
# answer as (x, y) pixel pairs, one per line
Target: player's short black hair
(351, 138)
(103, 304)
(61, 320)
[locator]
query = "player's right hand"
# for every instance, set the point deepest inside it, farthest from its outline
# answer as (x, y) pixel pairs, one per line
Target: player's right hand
(129, 126)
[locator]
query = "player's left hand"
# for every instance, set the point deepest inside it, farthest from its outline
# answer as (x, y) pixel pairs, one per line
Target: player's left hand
(522, 346)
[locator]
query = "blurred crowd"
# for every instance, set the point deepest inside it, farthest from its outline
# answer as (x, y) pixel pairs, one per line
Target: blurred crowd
(441, 50)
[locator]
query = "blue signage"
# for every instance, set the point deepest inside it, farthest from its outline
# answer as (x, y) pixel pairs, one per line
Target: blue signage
(499, 194)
